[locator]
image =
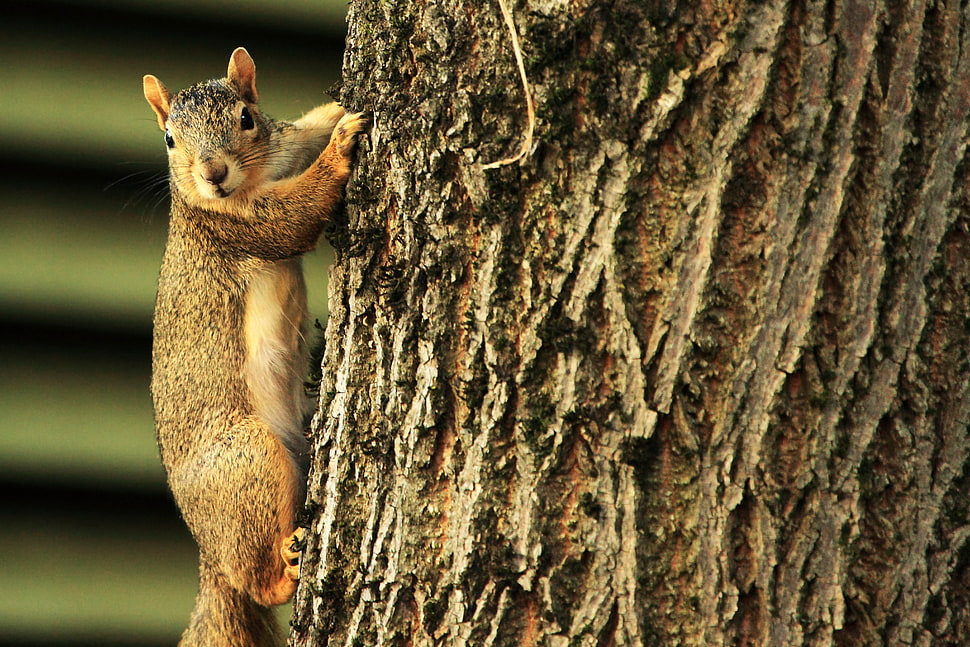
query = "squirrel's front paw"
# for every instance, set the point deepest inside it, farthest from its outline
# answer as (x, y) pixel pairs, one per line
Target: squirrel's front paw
(291, 549)
(344, 135)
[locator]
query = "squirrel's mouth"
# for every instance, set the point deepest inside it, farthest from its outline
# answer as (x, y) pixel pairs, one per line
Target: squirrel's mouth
(214, 179)
(215, 191)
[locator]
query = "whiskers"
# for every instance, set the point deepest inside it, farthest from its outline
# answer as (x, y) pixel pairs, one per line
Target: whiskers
(144, 187)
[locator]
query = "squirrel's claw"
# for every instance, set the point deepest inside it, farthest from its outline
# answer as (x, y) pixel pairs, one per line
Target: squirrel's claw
(344, 135)
(290, 550)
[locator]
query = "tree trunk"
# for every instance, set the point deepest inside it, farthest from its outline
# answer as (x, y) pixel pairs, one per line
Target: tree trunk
(692, 371)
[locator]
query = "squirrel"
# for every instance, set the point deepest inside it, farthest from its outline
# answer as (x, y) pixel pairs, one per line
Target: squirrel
(249, 195)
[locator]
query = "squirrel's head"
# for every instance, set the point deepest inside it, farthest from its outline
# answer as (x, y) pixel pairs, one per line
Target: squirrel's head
(217, 139)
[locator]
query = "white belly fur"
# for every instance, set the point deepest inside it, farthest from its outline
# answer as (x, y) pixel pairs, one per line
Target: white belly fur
(275, 363)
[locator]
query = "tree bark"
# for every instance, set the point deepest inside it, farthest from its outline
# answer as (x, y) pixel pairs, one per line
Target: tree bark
(692, 371)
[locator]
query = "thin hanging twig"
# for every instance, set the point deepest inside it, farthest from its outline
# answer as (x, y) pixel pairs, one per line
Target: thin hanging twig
(530, 108)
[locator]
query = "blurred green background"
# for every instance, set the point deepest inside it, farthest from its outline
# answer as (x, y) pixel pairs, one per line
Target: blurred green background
(92, 551)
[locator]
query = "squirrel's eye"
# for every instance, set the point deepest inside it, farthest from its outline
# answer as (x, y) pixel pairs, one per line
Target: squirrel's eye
(246, 120)
(169, 140)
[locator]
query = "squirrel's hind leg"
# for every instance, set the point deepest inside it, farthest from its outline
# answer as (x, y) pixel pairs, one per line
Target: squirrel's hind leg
(249, 484)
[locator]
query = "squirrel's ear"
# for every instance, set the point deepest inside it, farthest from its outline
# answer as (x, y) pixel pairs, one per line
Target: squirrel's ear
(158, 98)
(242, 74)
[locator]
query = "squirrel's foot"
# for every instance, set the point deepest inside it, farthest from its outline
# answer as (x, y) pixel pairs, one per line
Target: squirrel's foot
(281, 589)
(344, 135)
(291, 549)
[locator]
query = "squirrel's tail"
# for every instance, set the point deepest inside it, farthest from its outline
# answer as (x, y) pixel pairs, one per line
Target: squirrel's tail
(226, 617)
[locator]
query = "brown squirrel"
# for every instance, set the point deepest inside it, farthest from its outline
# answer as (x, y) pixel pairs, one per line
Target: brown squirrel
(249, 195)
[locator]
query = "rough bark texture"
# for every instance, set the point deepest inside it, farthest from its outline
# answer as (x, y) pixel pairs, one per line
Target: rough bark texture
(695, 372)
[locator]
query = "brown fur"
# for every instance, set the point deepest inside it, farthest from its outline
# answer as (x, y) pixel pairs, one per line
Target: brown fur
(228, 358)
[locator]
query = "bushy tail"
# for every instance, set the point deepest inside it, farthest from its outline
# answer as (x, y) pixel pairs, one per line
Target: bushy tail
(226, 617)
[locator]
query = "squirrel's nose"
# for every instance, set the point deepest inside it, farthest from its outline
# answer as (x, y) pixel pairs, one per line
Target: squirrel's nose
(214, 172)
